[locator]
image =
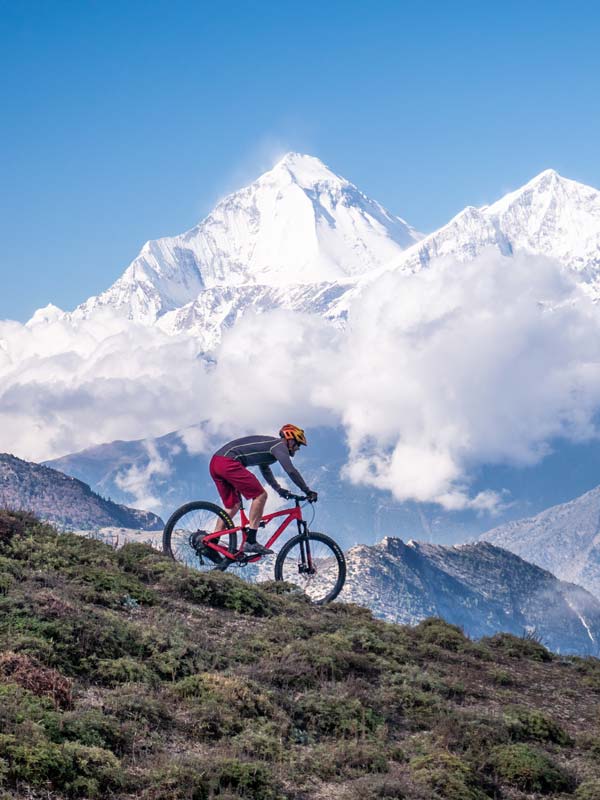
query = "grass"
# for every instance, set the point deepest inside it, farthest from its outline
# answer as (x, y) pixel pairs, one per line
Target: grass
(125, 675)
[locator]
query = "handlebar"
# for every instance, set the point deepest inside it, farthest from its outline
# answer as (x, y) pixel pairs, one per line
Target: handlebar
(298, 498)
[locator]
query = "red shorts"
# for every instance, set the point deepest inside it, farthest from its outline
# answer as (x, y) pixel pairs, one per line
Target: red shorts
(232, 477)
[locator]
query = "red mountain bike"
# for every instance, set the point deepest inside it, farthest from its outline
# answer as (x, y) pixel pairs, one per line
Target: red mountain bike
(311, 560)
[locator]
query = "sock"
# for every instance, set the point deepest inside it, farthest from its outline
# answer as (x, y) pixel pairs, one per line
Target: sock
(251, 535)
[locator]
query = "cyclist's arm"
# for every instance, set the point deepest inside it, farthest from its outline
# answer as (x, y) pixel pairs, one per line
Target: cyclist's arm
(282, 455)
(269, 477)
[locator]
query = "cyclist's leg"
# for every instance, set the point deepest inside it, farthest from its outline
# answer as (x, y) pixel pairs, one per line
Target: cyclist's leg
(232, 479)
(227, 492)
(256, 509)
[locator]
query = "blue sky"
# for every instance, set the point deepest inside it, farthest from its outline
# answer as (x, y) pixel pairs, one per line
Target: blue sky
(123, 122)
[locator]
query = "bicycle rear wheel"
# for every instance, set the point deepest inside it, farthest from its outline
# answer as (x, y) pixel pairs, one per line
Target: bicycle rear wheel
(185, 528)
(315, 563)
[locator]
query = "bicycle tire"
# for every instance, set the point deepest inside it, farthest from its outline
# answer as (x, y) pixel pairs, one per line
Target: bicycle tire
(314, 590)
(187, 519)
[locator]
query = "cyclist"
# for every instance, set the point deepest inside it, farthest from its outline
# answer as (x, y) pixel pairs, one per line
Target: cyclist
(228, 471)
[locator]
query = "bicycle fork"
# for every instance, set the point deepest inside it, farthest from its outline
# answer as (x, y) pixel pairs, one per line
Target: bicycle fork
(305, 564)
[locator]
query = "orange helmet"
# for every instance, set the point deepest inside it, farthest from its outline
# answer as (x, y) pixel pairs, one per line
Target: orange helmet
(293, 432)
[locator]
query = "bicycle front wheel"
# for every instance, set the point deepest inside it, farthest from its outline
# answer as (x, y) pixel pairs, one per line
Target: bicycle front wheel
(315, 563)
(184, 530)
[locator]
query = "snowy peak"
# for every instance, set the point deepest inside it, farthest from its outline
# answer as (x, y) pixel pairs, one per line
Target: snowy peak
(299, 223)
(564, 539)
(550, 215)
(306, 171)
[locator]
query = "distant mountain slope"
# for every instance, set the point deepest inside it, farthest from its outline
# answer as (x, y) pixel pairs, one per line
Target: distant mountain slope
(482, 588)
(564, 539)
(63, 500)
(166, 470)
(167, 474)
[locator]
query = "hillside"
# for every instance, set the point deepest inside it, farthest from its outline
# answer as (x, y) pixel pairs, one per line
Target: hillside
(125, 675)
(482, 588)
(564, 539)
(63, 500)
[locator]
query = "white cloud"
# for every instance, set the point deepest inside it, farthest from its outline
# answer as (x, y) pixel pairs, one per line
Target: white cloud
(137, 479)
(436, 373)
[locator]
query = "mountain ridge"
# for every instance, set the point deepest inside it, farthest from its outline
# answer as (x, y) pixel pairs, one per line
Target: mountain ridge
(64, 500)
(480, 587)
(564, 539)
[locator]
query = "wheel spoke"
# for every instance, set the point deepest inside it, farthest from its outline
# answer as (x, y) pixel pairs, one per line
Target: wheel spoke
(313, 566)
(185, 529)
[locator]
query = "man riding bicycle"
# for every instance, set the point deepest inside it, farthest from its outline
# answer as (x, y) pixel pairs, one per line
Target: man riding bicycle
(228, 471)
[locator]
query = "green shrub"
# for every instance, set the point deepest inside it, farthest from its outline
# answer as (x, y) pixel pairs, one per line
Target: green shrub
(19, 706)
(471, 734)
(188, 781)
(437, 631)
(219, 590)
(409, 695)
(518, 647)
(112, 671)
(526, 724)
(501, 677)
(588, 790)
(41, 547)
(109, 588)
(591, 743)
(380, 787)
(245, 779)
(324, 657)
(262, 740)
(140, 705)
(92, 728)
(74, 643)
(447, 776)
(144, 561)
(529, 770)
(172, 656)
(341, 716)
(11, 567)
(15, 524)
(71, 768)
(219, 704)
(332, 760)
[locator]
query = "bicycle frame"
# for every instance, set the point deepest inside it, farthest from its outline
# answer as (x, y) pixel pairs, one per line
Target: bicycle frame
(290, 515)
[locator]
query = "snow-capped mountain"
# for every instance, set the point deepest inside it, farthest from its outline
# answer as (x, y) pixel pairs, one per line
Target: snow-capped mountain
(550, 215)
(564, 539)
(482, 588)
(303, 238)
(299, 224)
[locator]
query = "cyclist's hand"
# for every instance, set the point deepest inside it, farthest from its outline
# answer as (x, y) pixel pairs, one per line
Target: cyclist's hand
(285, 494)
(312, 497)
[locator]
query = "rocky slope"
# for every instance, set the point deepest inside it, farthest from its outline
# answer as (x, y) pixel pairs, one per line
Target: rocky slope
(564, 539)
(482, 588)
(64, 500)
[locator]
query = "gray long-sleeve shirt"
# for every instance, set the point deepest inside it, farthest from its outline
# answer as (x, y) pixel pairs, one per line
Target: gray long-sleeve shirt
(260, 451)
